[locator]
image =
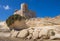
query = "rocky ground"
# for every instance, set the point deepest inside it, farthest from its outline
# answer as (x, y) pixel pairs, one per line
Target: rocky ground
(6, 38)
(18, 39)
(31, 23)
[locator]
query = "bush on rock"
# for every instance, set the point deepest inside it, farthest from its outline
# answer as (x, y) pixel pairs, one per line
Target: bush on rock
(16, 22)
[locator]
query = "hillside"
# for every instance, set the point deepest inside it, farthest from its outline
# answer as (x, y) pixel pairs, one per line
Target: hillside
(43, 21)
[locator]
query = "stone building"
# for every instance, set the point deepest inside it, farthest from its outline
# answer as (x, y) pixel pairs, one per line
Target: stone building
(24, 11)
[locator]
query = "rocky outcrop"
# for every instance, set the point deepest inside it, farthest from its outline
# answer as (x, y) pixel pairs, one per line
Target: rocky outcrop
(23, 33)
(34, 33)
(16, 22)
(14, 33)
(47, 21)
(38, 32)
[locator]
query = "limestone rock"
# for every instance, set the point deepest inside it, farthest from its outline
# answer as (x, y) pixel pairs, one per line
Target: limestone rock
(35, 34)
(4, 27)
(23, 33)
(4, 34)
(19, 25)
(14, 33)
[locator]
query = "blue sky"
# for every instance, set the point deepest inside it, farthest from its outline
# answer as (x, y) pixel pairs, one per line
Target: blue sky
(41, 7)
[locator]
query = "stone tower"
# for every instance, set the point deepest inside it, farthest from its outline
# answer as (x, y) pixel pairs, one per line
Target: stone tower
(24, 7)
(24, 11)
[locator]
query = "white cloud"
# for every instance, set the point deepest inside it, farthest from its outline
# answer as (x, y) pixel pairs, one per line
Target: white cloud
(6, 7)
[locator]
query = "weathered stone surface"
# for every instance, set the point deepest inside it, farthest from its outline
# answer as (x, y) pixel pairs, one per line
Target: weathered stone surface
(4, 34)
(14, 33)
(19, 25)
(36, 22)
(4, 27)
(23, 33)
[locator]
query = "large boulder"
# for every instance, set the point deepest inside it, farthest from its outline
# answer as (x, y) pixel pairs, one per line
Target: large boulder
(18, 25)
(16, 22)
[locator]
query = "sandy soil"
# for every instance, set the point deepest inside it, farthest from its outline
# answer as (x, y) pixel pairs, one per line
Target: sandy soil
(18, 39)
